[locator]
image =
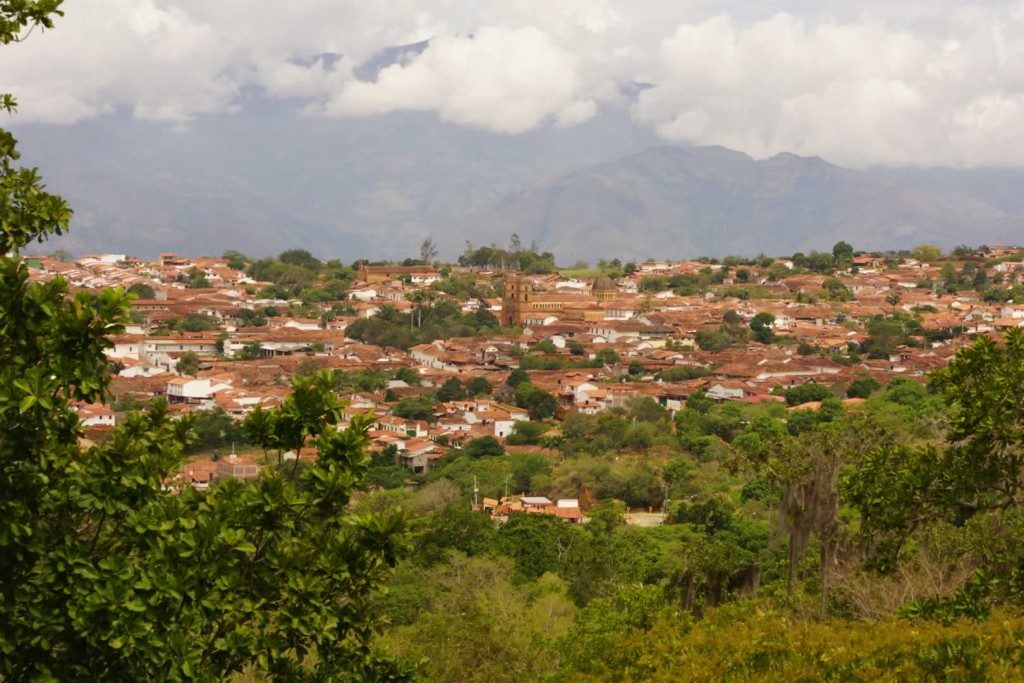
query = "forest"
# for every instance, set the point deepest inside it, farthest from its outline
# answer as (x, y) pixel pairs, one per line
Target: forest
(876, 538)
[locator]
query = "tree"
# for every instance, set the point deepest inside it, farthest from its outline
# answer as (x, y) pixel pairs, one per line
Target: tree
(893, 299)
(842, 252)
(862, 387)
(188, 363)
(517, 377)
(478, 386)
(761, 326)
(807, 392)
(428, 250)
(540, 404)
(301, 258)
(142, 291)
(250, 351)
(926, 253)
(105, 574)
(451, 390)
(484, 446)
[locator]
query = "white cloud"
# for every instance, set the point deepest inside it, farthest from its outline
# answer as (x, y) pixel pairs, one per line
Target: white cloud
(506, 80)
(875, 81)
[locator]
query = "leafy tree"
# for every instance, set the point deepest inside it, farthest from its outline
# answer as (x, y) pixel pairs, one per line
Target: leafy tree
(235, 260)
(528, 433)
(835, 290)
(451, 390)
(105, 574)
(250, 351)
(415, 408)
(301, 258)
(484, 446)
(409, 376)
(198, 322)
(142, 291)
(606, 357)
(761, 326)
(842, 252)
(807, 392)
(214, 429)
(478, 386)
(249, 317)
(713, 339)
(862, 387)
(517, 377)
(540, 404)
(188, 363)
(428, 250)
(927, 253)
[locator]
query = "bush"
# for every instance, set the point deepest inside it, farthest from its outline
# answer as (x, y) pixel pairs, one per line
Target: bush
(484, 446)
(805, 393)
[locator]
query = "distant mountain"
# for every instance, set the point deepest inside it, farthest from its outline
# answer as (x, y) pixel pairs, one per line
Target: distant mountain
(674, 202)
(266, 179)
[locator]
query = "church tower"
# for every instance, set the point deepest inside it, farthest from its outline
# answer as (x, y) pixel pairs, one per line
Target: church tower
(516, 301)
(603, 288)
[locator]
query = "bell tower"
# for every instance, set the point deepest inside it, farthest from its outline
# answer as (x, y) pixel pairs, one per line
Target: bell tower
(516, 300)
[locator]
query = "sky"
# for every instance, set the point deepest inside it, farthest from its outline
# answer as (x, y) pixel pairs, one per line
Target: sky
(858, 82)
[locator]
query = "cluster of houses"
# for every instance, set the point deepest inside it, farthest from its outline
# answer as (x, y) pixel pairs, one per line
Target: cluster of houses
(615, 340)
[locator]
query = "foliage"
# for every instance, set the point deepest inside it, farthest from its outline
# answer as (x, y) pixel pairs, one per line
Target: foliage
(540, 404)
(761, 326)
(807, 392)
(483, 446)
(862, 387)
(188, 363)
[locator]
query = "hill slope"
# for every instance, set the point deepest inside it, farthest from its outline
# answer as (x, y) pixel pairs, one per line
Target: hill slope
(674, 202)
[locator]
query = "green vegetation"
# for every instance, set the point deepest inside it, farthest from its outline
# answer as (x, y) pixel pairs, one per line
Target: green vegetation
(105, 574)
(429, 321)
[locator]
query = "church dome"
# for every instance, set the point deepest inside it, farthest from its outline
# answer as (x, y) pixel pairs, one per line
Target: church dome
(602, 283)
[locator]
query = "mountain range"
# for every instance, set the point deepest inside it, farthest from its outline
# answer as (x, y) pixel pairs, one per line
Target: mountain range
(267, 180)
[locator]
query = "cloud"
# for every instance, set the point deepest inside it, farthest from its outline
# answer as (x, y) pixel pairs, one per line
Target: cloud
(861, 92)
(505, 80)
(875, 81)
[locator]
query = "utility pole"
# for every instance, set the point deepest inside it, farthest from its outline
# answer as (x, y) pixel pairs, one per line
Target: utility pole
(476, 490)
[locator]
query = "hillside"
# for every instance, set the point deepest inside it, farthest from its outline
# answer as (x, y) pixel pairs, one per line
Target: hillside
(674, 202)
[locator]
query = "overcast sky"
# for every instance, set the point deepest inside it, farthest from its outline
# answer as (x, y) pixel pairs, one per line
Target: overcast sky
(918, 82)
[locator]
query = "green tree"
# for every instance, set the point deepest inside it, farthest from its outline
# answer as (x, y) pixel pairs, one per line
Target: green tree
(862, 387)
(451, 390)
(842, 252)
(517, 377)
(761, 326)
(478, 386)
(188, 363)
(540, 404)
(528, 433)
(250, 351)
(927, 253)
(807, 392)
(105, 574)
(142, 291)
(484, 446)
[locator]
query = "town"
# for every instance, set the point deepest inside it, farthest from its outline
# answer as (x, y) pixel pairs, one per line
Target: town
(497, 352)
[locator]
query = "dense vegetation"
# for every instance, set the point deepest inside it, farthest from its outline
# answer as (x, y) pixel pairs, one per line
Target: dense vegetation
(879, 539)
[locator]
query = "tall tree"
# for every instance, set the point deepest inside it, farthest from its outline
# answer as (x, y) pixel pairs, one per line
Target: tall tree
(428, 250)
(106, 573)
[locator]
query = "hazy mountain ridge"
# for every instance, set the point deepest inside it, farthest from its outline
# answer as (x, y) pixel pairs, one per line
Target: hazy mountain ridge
(352, 188)
(677, 202)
